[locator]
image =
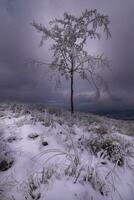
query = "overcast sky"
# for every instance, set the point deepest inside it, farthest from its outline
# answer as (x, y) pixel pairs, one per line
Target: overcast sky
(20, 42)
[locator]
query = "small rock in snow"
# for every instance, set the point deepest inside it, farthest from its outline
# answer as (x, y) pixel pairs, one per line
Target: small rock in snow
(44, 143)
(5, 165)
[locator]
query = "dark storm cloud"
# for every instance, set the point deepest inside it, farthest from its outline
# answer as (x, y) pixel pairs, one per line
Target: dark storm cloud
(19, 42)
(19, 81)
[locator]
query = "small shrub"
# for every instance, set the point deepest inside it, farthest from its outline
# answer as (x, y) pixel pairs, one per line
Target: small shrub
(99, 129)
(47, 174)
(112, 149)
(36, 181)
(97, 183)
(47, 123)
(53, 110)
(33, 192)
(85, 174)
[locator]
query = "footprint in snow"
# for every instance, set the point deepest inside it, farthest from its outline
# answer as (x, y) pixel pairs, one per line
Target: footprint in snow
(13, 139)
(33, 136)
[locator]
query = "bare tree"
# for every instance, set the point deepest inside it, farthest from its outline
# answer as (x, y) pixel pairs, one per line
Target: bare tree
(69, 36)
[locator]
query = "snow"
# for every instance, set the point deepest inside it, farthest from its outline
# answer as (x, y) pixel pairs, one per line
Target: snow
(53, 155)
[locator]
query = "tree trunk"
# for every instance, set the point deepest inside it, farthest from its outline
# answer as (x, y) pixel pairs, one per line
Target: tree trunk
(72, 93)
(72, 86)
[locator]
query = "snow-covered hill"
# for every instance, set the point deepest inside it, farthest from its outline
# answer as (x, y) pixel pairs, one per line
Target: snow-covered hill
(47, 154)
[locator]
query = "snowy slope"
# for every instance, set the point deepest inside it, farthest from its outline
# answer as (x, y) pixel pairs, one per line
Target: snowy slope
(47, 154)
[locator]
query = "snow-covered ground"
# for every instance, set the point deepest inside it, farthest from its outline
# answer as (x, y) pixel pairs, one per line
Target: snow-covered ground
(47, 154)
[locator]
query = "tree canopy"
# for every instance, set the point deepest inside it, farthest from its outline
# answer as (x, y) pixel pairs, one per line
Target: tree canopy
(69, 36)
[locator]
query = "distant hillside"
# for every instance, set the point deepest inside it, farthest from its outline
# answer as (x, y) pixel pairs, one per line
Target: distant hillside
(118, 114)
